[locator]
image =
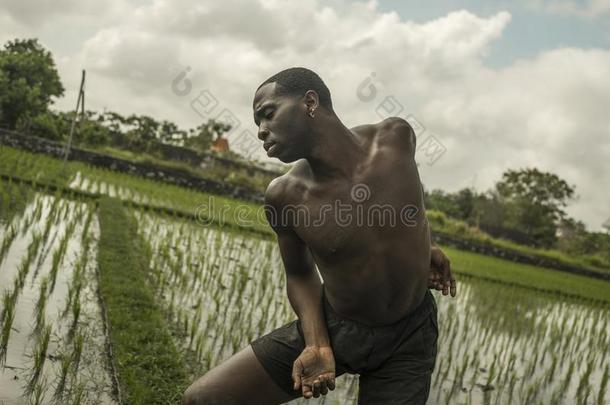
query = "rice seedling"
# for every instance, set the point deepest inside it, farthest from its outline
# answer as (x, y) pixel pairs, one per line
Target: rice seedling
(77, 351)
(76, 284)
(64, 366)
(76, 309)
(583, 390)
(38, 393)
(9, 236)
(24, 265)
(59, 253)
(603, 386)
(8, 315)
(79, 395)
(41, 305)
(39, 356)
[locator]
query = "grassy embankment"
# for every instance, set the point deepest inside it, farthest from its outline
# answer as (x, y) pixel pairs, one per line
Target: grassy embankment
(538, 278)
(150, 368)
(441, 223)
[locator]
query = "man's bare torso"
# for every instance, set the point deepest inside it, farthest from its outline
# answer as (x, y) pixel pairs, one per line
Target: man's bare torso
(375, 268)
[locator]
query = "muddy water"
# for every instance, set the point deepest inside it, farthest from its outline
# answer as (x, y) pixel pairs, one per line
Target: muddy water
(497, 344)
(90, 380)
(90, 184)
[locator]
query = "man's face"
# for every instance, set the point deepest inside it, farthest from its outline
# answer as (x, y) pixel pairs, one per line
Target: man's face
(282, 124)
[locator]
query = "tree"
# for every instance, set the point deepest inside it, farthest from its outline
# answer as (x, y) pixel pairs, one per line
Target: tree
(169, 132)
(464, 200)
(29, 80)
(50, 125)
(534, 202)
(143, 131)
(488, 210)
(202, 137)
(458, 205)
(442, 201)
(538, 188)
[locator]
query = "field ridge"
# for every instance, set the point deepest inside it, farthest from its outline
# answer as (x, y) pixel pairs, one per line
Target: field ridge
(150, 368)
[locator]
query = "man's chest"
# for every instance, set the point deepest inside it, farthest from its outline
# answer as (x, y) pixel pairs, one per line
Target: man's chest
(352, 216)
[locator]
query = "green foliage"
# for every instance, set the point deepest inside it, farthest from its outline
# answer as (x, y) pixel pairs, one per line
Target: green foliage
(457, 205)
(29, 80)
(51, 126)
(575, 240)
(539, 188)
(201, 138)
(92, 132)
(526, 206)
(534, 202)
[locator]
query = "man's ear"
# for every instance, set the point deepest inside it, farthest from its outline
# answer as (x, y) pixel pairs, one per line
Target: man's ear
(312, 101)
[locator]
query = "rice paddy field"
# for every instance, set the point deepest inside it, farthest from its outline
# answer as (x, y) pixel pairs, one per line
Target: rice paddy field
(52, 339)
(116, 289)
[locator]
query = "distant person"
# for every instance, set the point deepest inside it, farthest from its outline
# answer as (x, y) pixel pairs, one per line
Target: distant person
(374, 313)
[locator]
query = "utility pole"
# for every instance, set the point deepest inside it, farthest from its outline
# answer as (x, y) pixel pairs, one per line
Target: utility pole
(80, 103)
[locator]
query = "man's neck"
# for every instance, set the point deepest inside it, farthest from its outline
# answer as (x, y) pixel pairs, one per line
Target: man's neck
(336, 151)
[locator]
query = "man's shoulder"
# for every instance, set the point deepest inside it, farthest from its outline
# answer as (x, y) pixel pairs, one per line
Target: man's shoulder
(398, 125)
(281, 188)
(275, 191)
(398, 131)
(385, 127)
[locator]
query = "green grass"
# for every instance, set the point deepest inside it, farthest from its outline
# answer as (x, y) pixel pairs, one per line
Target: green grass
(206, 208)
(441, 223)
(477, 265)
(150, 368)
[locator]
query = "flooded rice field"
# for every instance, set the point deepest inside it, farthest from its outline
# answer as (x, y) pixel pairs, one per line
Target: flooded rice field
(52, 336)
(220, 289)
(497, 344)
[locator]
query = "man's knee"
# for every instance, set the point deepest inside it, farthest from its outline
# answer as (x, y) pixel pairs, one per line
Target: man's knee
(193, 396)
(202, 394)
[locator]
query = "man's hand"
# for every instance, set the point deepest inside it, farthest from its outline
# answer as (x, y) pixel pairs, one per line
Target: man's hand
(440, 272)
(314, 371)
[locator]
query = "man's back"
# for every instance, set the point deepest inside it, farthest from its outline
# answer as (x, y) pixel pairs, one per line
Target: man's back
(368, 234)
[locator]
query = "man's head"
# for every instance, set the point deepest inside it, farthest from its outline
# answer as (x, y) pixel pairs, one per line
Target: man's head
(285, 106)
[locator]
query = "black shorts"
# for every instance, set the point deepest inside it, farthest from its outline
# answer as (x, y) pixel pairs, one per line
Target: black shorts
(395, 362)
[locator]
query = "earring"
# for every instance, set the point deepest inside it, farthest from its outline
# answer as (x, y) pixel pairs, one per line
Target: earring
(311, 112)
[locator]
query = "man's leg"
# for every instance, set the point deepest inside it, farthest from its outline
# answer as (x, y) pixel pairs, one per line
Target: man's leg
(239, 380)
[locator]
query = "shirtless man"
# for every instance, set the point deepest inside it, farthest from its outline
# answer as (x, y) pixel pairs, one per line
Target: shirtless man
(373, 314)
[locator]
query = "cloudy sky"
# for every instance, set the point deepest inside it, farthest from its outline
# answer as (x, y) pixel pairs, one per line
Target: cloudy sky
(488, 85)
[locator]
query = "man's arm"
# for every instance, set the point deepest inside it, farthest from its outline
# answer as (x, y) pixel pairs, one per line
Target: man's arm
(314, 369)
(303, 285)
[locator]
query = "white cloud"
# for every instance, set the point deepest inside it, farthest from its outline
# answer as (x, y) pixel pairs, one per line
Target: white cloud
(546, 112)
(580, 8)
(34, 13)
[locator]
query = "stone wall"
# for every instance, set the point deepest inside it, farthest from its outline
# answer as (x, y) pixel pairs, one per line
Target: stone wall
(170, 175)
(208, 159)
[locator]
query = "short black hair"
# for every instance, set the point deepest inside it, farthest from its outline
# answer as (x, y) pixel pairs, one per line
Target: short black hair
(296, 81)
